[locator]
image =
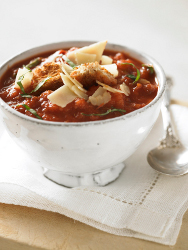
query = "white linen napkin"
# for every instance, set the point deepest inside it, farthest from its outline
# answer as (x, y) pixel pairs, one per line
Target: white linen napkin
(140, 203)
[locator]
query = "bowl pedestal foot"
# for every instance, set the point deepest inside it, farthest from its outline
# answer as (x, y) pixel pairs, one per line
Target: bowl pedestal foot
(100, 178)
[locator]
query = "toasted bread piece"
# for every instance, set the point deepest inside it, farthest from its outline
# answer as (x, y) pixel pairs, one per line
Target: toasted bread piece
(87, 74)
(49, 69)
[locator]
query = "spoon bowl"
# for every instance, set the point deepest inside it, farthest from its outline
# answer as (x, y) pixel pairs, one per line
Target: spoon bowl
(170, 161)
(170, 157)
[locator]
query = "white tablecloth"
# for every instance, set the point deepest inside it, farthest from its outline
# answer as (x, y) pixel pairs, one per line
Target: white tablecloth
(141, 203)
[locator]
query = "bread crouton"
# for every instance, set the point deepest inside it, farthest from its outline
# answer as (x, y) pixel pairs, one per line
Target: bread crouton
(87, 74)
(49, 69)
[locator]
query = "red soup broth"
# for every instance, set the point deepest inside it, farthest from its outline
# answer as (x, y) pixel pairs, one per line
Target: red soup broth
(142, 92)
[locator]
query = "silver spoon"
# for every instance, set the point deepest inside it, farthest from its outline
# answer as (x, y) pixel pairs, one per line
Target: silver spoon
(170, 157)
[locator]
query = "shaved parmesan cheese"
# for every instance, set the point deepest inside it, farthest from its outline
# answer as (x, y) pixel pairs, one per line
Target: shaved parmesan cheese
(106, 60)
(101, 96)
(125, 89)
(68, 68)
(113, 90)
(112, 68)
(67, 81)
(96, 48)
(51, 58)
(78, 84)
(26, 80)
(79, 93)
(73, 87)
(62, 96)
(82, 58)
(99, 91)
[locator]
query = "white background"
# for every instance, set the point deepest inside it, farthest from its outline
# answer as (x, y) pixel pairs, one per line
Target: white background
(156, 27)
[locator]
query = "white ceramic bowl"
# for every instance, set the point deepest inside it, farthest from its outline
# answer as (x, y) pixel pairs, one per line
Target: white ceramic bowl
(87, 153)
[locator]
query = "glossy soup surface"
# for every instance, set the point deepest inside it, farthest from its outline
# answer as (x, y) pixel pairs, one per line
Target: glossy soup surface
(142, 92)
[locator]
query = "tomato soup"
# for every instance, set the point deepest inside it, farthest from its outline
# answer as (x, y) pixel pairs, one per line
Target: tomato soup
(124, 84)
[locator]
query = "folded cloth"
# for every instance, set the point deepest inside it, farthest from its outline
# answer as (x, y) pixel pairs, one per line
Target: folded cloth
(140, 203)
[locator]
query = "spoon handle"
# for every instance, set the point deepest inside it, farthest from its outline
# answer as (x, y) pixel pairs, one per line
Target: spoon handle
(170, 140)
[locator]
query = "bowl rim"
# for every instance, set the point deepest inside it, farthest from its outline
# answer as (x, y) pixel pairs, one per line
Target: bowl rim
(128, 50)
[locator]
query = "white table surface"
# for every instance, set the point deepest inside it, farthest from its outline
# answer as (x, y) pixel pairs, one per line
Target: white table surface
(156, 27)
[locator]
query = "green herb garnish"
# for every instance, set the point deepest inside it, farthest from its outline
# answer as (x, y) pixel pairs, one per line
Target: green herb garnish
(40, 84)
(132, 77)
(107, 112)
(32, 111)
(138, 72)
(19, 82)
(35, 89)
(150, 67)
(69, 61)
(34, 63)
(26, 95)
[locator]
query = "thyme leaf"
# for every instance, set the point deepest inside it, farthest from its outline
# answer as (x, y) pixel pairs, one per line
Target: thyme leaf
(137, 70)
(32, 111)
(69, 61)
(107, 112)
